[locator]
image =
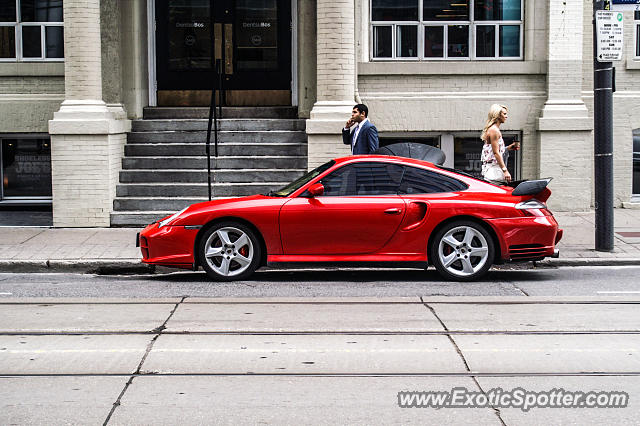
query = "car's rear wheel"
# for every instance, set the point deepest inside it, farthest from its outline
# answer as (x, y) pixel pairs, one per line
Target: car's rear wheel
(462, 251)
(229, 251)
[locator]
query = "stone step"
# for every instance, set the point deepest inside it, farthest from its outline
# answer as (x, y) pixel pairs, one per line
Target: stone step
(196, 189)
(279, 136)
(224, 149)
(227, 112)
(200, 162)
(218, 175)
(154, 203)
(137, 219)
(223, 125)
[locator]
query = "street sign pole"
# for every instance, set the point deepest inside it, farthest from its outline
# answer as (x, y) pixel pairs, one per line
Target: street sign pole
(603, 139)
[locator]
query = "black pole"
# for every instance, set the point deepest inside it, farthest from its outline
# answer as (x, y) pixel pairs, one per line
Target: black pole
(603, 142)
(212, 102)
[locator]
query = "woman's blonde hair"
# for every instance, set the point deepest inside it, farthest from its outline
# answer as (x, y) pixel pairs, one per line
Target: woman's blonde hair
(492, 118)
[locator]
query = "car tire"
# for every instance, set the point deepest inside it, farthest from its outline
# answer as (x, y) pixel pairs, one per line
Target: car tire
(229, 251)
(462, 251)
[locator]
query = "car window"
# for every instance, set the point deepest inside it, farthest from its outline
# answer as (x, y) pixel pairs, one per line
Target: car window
(363, 179)
(421, 181)
(301, 181)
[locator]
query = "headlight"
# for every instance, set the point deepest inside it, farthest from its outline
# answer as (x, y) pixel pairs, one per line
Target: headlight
(171, 218)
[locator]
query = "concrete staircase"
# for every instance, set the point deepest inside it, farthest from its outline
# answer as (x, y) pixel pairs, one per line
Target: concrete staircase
(165, 163)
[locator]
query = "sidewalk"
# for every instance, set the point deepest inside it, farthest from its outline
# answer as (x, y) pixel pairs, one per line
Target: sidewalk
(113, 250)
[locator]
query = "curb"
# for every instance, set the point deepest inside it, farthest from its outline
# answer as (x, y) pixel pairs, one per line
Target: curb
(136, 267)
(590, 261)
(99, 267)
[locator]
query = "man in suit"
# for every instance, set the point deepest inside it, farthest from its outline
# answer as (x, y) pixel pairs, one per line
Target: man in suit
(360, 133)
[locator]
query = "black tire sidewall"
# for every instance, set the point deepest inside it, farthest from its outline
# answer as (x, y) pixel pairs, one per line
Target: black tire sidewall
(435, 259)
(257, 251)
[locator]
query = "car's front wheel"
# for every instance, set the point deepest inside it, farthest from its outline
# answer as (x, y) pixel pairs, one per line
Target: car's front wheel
(229, 251)
(462, 251)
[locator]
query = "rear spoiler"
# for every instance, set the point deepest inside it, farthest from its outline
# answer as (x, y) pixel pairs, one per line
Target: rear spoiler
(536, 188)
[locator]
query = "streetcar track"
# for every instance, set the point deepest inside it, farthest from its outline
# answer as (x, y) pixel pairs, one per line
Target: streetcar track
(320, 333)
(252, 374)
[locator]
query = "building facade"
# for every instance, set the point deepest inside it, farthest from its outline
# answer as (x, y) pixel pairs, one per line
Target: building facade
(74, 74)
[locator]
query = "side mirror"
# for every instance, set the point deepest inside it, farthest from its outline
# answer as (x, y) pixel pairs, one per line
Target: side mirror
(316, 190)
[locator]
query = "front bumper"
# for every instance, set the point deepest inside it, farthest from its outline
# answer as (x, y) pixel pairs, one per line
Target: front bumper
(171, 246)
(527, 238)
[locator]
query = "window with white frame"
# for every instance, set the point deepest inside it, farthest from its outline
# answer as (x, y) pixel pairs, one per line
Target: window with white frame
(636, 16)
(31, 30)
(446, 29)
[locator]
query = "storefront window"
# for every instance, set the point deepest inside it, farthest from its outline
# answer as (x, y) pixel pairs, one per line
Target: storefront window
(26, 168)
(447, 29)
(636, 163)
(31, 30)
(467, 150)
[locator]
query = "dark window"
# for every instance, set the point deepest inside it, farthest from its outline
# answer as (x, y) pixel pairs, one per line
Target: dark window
(445, 10)
(31, 42)
(7, 42)
(54, 39)
(41, 10)
(26, 168)
(363, 179)
(407, 41)
(7, 10)
(420, 181)
(382, 44)
(636, 16)
(485, 41)
(636, 162)
(509, 41)
(394, 10)
(497, 10)
(433, 42)
(458, 41)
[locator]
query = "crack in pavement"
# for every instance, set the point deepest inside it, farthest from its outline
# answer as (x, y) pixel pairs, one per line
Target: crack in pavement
(159, 331)
(464, 360)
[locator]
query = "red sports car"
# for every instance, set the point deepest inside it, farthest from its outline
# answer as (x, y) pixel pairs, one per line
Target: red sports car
(362, 209)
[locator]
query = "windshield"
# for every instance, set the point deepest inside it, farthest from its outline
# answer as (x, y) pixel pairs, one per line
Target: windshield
(301, 181)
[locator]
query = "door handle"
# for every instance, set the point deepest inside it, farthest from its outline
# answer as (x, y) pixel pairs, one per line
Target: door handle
(393, 211)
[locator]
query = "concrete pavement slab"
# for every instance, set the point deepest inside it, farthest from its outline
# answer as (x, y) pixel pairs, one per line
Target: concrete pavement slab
(303, 317)
(565, 416)
(57, 400)
(87, 300)
(288, 400)
(14, 236)
(72, 354)
(517, 300)
(309, 300)
(83, 318)
(302, 354)
(539, 317)
(611, 353)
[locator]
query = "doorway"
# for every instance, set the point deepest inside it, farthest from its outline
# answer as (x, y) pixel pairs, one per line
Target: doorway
(240, 47)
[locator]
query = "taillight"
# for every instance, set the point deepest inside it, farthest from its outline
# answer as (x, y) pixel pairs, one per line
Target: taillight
(533, 207)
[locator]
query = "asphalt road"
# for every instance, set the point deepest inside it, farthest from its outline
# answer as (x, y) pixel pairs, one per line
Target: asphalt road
(509, 281)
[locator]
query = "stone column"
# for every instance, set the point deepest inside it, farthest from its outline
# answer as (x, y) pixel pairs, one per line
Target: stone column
(564, 125)
(335, 80)
(87, 137)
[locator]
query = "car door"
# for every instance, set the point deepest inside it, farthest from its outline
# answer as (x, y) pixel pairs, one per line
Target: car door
(357, 214)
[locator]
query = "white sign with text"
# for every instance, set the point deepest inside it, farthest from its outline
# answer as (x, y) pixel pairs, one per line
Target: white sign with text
(610, 32)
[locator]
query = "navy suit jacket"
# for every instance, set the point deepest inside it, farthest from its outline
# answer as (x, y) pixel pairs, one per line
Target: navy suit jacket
(367, 141)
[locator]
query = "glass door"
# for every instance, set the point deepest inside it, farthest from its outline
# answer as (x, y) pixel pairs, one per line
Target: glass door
(249, 40)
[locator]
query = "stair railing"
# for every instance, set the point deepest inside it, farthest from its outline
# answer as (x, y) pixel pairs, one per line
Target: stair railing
(218, 66)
